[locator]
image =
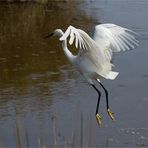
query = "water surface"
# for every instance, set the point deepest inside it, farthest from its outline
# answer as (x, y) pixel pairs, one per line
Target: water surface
(45, 102)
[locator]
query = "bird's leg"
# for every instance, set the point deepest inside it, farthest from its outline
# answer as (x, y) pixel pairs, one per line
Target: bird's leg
(107, 104)
(98, 117)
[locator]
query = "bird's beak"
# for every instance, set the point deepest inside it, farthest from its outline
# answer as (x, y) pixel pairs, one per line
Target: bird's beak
(48, 36)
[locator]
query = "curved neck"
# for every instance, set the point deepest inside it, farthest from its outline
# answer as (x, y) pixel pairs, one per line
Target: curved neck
(67, 52)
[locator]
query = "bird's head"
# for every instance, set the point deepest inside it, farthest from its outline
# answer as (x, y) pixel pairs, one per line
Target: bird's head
(57, 32)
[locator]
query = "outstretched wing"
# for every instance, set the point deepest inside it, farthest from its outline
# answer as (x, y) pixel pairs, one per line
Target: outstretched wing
(88, 50)
(82, 39)
(113, 38)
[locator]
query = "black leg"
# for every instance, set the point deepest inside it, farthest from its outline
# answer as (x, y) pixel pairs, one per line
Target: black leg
(107, 104)
(99, 96)
(98, 118)
(106, 93)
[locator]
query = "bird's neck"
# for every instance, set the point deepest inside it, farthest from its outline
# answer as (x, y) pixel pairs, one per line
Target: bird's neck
(67, 52)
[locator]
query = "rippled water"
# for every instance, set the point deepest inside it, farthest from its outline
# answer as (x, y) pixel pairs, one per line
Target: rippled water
(45, 102)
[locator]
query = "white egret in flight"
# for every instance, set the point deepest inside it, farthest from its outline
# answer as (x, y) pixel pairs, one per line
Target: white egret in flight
(93, 60)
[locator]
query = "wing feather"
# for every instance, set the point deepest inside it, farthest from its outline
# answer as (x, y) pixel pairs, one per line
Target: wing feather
(108, 38)
(88, 50)
(118, 38)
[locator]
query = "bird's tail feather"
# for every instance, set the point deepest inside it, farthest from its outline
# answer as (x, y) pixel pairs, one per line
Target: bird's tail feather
(112, 75)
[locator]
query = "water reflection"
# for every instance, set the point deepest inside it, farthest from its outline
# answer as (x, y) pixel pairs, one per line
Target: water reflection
(43, 101)
(33, 71)
(30, 64)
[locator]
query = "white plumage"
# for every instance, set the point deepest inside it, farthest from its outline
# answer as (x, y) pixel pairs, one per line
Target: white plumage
(94, 57)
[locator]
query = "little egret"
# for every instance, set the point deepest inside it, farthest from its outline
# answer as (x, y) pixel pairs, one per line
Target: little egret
(93, 60)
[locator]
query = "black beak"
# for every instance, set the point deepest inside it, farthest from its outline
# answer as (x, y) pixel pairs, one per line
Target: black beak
(48, 36)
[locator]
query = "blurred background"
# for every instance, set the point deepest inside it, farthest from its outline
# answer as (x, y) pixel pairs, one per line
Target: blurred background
(44, 101)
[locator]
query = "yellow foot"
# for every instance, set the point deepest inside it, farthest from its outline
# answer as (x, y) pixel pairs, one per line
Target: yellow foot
(111, 114)
(98, 118)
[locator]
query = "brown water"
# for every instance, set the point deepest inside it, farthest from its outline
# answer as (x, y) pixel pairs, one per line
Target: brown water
(44, 102)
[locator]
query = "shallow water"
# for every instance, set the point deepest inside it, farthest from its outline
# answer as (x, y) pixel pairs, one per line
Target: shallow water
(45, 102)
